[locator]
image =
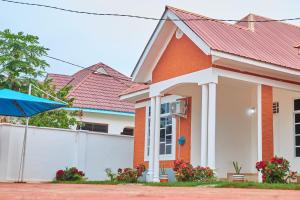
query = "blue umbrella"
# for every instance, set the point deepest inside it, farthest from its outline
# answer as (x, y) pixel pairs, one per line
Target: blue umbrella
(18, 104)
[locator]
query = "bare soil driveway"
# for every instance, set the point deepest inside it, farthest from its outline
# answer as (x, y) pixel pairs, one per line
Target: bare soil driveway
(10, 191)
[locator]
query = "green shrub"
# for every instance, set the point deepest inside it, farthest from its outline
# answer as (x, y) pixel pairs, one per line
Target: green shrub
(69, 174)
(277, 170)
(184, 171)
(126, 175)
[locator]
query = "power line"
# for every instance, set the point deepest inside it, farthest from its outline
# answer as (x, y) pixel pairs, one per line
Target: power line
(67, 62)
(144, 17)
(85, 68)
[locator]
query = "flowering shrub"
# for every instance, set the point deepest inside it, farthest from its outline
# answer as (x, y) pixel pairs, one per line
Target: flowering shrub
(184, 171)
(203, 174)
(277, 170)
(69, 174)
(128, 175)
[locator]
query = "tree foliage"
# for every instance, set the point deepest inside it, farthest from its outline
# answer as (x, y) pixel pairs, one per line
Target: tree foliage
(21, 63)
(57, 118)
(20, 60)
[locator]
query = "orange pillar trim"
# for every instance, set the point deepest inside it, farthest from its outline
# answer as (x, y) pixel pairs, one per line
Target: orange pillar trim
(267, 123)
(139, 135)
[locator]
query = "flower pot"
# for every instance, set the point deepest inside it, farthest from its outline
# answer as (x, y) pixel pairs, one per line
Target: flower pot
(164, 178)
(238, 178)
(298, 179)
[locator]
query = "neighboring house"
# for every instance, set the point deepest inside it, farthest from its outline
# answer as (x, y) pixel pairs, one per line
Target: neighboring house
(96, 91)
(239, 83)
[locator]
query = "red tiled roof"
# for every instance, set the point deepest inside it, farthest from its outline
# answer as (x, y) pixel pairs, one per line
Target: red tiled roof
(271, 42)
(97, 90)
(135, 88)
(59, 80)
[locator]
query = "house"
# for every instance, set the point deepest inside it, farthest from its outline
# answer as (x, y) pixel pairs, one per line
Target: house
(96, 91)
(236, 89)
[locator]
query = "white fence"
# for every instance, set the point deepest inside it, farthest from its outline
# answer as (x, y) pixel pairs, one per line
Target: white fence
(50, 149)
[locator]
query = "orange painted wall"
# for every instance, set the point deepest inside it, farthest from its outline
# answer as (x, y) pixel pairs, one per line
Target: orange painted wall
(181, 56)
(139, 135)
(267, 123)
(182, 151)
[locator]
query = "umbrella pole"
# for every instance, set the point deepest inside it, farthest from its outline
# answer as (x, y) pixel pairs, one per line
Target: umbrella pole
(22, 164)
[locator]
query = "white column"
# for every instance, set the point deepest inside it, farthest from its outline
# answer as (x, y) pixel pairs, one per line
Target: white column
(259, 128)
(212, 125)
(152, 136)
(156, 140)
(204, 109)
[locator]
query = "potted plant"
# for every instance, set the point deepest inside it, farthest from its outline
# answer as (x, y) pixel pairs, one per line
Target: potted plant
(163, 175)
(237, 177)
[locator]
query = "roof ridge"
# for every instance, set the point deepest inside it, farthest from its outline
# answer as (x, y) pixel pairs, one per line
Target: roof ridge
(268, 18)
(60, 74)
(78, 84)
(210, 19)
(115, 71)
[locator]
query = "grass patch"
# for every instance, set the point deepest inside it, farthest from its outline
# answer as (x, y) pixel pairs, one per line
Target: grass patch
(278, 186)
(181, 184)
(216, 184)
(87, 182)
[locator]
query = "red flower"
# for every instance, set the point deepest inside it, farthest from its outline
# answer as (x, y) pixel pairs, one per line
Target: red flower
(74, 170)
(280, 161)
(261, 165)
(81, 173)
(60, 172)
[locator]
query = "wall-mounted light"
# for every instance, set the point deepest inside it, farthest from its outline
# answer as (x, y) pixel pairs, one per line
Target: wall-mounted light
(251, 111)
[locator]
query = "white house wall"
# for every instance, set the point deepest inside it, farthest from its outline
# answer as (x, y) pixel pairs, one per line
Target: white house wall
(234, 128)
(284, 136)
(116, 123)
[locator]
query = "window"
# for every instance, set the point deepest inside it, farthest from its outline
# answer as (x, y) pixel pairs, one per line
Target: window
(297, 126)
(127, 131)
(103, 128)
(166, 130)
(167, 133)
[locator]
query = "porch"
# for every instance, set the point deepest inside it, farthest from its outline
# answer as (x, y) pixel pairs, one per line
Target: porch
(230, 120)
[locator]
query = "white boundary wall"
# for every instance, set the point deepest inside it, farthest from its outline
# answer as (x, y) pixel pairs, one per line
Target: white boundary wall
(50, 149)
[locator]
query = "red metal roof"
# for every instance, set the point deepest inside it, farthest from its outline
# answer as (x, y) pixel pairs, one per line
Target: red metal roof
(271, 42)
(96, 90)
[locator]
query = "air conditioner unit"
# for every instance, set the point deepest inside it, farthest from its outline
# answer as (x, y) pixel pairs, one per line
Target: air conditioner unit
(179, 108)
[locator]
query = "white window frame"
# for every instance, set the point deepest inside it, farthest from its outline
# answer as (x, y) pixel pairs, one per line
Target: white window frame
(166, 99)
(294, 128)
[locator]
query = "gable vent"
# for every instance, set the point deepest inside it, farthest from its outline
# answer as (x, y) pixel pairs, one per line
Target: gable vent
(275, 107)
(101, 71)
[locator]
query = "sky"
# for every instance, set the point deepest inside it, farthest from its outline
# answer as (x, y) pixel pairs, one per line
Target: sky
(118, 42)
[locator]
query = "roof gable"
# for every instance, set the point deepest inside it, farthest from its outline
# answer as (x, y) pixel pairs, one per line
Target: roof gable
(270, 43)
(95, 90)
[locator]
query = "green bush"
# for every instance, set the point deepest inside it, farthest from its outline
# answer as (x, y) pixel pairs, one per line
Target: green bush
(126, 175)
(184, 171)
(69, 174)
(277, 170)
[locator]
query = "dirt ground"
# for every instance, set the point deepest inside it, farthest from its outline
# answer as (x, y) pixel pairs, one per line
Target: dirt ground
(42, 191)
